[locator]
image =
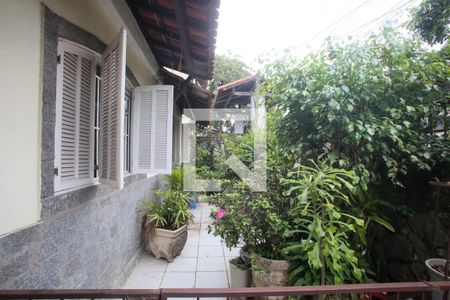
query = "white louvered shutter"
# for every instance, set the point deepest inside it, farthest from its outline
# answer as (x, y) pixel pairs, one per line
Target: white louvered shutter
(152, 129)
(74, 134)
(112, 106)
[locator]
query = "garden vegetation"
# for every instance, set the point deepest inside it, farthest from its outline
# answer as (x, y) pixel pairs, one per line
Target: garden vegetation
(345, 124)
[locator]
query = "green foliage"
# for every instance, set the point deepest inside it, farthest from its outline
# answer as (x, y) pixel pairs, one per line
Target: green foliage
(176, 178)
(251, 218)
(209, 157)
(227, 68)
(432, 21)
(322, 226)
(365, 112)
(169, 208)
(240, 263)
(256, 219)
(240, 145)
(361, 105)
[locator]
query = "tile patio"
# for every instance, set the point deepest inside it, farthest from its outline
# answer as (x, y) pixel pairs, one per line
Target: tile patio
(203, 262)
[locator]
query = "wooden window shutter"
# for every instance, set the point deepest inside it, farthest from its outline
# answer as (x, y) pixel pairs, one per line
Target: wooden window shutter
(112, 106)
(74, 134)
(152, 129)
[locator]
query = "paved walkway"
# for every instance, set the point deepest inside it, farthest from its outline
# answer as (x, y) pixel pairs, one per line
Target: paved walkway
(203, 262)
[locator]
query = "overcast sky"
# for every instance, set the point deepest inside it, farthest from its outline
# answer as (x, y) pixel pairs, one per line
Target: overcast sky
(249, 28)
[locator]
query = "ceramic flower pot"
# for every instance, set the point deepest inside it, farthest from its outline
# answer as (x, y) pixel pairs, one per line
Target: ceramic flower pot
(436, 276)
(163, 243)
(269, 273)
(239, 278)
(193, 203)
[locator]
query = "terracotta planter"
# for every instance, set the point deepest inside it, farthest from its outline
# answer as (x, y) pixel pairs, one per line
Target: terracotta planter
(166, 243)
(270, 273)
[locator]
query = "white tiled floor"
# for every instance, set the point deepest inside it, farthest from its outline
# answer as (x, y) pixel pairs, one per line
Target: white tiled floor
(203, 262)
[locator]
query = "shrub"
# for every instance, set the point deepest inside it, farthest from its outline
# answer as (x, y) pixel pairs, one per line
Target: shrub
(369, 106)
(322, 226)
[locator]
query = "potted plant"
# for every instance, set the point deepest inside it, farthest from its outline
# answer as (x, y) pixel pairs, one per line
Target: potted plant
(436, 270)
(240, 273)
(290, 229)
(193, 200)
(302, 234)
(258, 222)
(167, 217)
(256, 219)
(268, 272)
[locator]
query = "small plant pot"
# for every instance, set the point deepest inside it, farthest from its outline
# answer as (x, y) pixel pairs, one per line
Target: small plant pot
(193, 203)
(435, 275)
(270, 273)
(168, 244)
(239, 278)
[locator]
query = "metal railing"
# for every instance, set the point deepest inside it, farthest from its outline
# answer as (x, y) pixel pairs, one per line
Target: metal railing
(401, 290)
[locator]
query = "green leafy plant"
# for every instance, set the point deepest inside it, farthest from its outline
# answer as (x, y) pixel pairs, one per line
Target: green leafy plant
(432, 21)
(209, 159)
(370, 106)
(240, 263)
(258, 220)
(366, 106)
(169, 209)
(249, 218)
(227, 68)
(322, 227)
(176, 178)
(366, 110)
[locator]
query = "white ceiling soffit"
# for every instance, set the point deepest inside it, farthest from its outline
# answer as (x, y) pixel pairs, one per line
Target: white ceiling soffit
(118, 9)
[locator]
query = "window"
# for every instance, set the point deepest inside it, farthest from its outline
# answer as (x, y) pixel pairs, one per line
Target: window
(74, 137)
(98, 81)
(152, 130)
(127, 127)
(89, 115)
(98, 116)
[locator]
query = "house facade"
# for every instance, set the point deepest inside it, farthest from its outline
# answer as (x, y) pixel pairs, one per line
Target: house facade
(240, 94)
(90, 127)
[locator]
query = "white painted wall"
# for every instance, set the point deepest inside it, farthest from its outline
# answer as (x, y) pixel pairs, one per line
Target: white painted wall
(20, 92)
(20, 103)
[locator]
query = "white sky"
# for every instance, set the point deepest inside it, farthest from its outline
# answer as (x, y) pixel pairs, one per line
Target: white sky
(249, 28)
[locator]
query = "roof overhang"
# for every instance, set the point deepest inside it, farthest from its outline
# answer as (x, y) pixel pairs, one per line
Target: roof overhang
(181, 34)
(187, 93)
(236, 92)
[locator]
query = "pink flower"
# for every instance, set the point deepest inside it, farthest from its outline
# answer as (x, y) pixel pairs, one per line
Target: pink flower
(220, 213)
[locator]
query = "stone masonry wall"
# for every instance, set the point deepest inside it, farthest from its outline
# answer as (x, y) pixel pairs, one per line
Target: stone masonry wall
(90, 238)
(422, 223)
